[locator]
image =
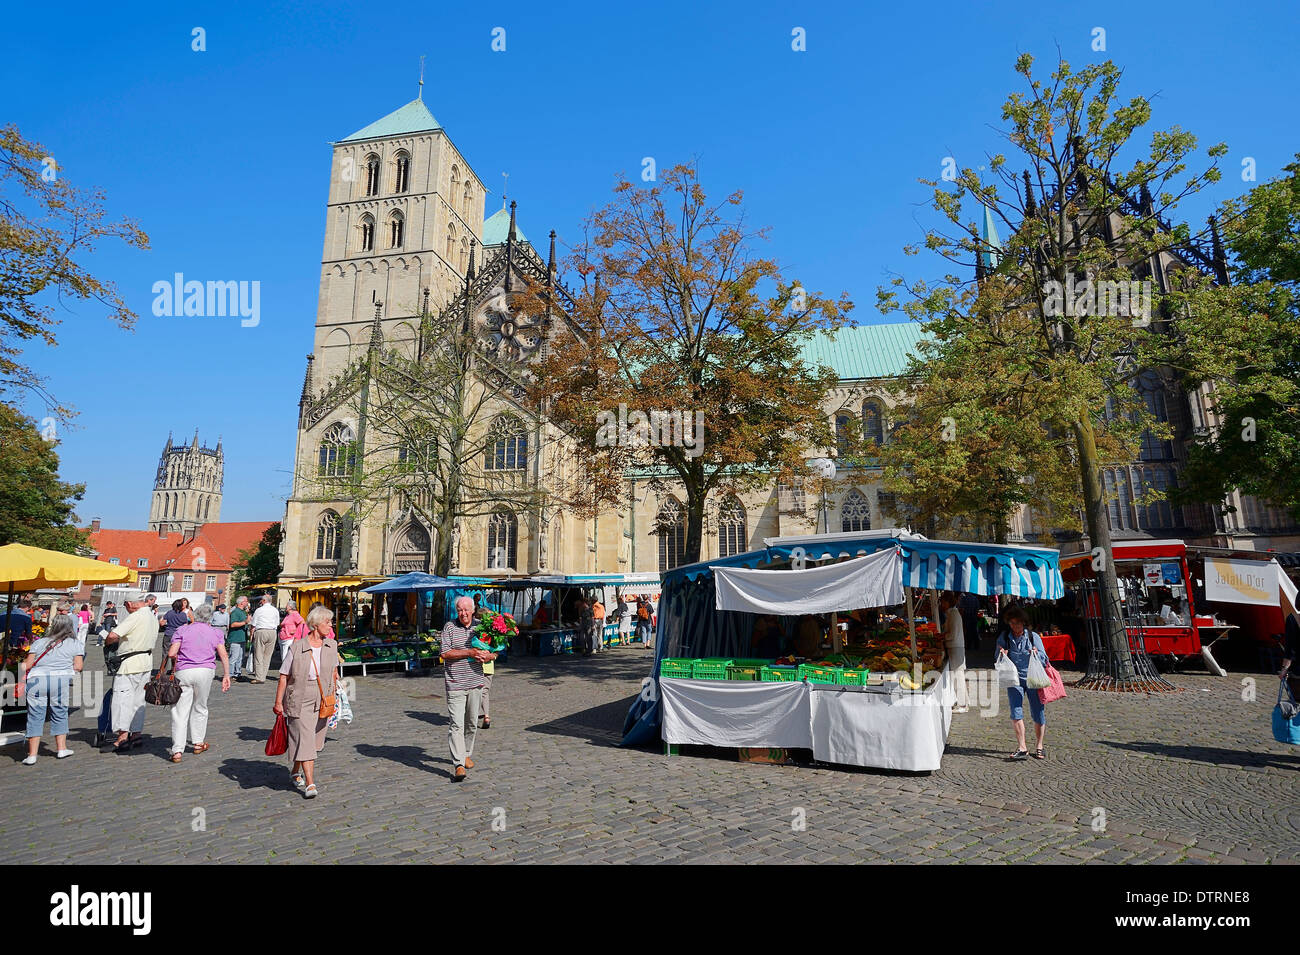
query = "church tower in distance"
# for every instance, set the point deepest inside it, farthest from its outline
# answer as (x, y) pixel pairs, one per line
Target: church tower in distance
(187, 490)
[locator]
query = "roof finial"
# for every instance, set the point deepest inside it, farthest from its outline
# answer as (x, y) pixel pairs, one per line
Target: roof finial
(469, 271)
(550, 262)
(504, 186)
(420, 94)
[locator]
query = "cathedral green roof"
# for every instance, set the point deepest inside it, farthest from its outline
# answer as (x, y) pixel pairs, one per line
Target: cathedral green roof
(865, 351)
(414, 117)
(497, 226)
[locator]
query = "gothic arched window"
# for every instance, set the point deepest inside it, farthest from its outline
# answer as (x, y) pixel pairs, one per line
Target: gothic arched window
(464, 255)
(502, 540)
(733, 536)
(367, 233)
(402, 180)
(855, 512)
(507, 448)
(372, 175)
(842, 439)
(671, 527)
(873, 422)
(396, 230)
(338, 451)
(329, 546)
(467, 201)
(451, 244)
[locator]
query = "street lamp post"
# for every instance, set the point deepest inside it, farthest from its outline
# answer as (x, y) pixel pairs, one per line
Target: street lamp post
(825, 469)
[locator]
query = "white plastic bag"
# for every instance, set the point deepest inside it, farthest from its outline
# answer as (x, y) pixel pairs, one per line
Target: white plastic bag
(1037, 678)
(1008, 675)
(342, 709)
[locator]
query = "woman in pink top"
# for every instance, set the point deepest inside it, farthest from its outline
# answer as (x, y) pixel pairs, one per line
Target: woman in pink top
(195, 647)
(292, 628)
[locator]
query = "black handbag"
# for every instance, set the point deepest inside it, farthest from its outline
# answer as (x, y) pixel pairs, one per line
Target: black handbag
(163, 690)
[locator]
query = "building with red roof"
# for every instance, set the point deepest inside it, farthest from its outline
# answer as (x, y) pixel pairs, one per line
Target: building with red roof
(195, 561)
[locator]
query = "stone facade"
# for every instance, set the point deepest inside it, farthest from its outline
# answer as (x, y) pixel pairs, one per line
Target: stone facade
(187, 488)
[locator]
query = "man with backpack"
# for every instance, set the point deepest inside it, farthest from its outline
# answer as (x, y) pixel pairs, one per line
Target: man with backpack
(644, 620)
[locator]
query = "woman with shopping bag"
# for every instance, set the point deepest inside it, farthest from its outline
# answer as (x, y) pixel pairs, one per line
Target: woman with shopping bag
(1024, 650)
(307, 696)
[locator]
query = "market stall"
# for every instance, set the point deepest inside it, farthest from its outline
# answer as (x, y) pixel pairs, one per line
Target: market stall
(869, 686)
(406, 650)
(24, 569)
(337, 594)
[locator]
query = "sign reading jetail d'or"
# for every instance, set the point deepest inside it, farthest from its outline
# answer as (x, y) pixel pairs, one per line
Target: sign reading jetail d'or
(1241, 581)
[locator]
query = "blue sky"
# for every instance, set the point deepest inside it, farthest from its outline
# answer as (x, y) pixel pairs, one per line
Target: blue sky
(223, 156)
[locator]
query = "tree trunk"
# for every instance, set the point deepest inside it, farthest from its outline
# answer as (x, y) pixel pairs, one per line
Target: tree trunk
(1112, 615)
(695, 498)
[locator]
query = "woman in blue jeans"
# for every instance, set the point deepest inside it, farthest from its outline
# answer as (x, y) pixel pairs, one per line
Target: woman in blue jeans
(49, 667)
(1017, 643)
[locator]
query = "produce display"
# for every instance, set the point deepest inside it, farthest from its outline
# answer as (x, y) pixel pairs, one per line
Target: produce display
(888, 652)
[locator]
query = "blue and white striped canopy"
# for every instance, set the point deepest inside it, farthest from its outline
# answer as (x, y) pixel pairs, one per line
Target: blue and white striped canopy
(961, 566)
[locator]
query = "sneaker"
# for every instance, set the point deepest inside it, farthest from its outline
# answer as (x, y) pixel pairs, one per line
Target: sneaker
(29, 761)
(310, 792)
(63, 754)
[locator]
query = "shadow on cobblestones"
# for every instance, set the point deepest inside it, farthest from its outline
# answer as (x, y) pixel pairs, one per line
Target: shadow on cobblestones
(1209, 754)
(599, 725)
(433, 719)
(254, 734)
(417, 757)
(256, 774)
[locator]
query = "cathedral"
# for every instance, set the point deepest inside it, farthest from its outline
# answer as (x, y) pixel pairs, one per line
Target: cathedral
(406, 238)
(187, 488)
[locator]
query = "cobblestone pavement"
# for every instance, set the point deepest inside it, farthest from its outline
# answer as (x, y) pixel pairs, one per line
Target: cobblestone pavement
(1190, 777)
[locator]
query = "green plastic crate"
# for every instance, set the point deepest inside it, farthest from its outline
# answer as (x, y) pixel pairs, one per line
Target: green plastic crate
(670, 667)
(851, 677)
(713, 668)
(771, 674)
(741, 672)
(751, 662)
(817, 674)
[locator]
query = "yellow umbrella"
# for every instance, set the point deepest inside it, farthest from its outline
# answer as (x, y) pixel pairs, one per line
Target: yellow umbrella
(24, 567)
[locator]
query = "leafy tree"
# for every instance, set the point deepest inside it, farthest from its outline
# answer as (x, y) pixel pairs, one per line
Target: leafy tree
(259, 564)
(46, 226)
(431, 425)
(35, 506)
(1040, 319)
(676, 314)
(1253, 365)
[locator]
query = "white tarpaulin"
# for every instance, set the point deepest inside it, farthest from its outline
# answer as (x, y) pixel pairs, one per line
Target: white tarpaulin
(907, 731)
(735, 713)
(1242, 581)
(872, 581)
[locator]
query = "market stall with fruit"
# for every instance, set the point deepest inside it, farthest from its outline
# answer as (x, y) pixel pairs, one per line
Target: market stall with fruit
(861, 677)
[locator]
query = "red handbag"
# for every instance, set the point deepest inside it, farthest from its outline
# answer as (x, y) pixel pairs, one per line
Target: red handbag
(278, 744)
(1054, 692)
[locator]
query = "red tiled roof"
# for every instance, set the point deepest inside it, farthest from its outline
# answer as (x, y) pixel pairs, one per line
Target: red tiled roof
(214, 548)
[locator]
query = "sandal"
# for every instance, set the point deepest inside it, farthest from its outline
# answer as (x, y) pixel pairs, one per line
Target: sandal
(136, 740)
(176, 757)
(201, 748)
(309, 792)
(299, 782)
(1039, 754)
(1018, 755)
(122, 747)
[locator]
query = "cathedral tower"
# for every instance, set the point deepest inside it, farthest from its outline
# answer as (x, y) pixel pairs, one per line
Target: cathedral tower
(404, 208)
(187, 490)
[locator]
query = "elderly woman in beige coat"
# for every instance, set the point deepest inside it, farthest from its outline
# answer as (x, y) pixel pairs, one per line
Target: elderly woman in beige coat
(313, 670)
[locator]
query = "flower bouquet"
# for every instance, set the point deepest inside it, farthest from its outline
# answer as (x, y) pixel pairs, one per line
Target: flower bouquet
(493, 631)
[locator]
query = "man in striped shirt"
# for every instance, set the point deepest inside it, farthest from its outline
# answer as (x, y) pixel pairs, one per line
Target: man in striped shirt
(464, 682)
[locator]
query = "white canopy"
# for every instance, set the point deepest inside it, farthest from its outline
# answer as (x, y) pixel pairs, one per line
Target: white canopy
(872, 581)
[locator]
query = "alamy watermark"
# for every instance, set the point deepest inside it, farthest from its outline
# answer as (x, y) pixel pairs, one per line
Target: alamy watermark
(1116, 299)
(659, 429)
(208, 300)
